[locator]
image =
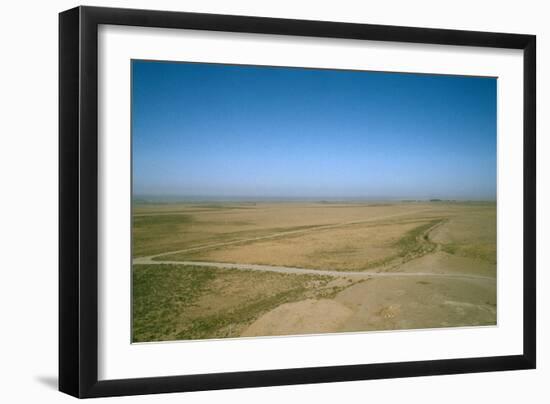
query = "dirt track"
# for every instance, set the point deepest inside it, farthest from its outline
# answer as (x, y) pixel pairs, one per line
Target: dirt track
(153, 259)
(306, 271)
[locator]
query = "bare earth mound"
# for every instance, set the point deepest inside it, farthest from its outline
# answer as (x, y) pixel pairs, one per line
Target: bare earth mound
(386, 304)
(305, 317)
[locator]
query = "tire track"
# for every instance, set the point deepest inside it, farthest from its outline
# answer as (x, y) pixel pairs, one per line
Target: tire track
(307, 271)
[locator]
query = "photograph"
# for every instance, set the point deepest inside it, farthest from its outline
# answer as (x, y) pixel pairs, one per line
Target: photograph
(272, 201)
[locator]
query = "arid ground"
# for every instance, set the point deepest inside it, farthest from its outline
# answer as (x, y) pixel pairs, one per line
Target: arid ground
(216, 270)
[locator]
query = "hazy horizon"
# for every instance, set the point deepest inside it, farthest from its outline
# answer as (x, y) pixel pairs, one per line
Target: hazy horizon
(253, 199)
(226, 132)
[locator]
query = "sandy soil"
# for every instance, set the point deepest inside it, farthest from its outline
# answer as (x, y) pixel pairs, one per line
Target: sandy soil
(386, 304)
(444, 263)
(445, 276)
(305, 317)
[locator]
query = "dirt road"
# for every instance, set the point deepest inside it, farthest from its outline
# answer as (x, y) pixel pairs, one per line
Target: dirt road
(305, 271)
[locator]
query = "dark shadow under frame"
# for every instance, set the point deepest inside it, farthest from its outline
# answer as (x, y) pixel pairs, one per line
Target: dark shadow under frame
(78, 286)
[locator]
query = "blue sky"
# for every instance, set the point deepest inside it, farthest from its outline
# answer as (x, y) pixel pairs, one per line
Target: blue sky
(222, 131)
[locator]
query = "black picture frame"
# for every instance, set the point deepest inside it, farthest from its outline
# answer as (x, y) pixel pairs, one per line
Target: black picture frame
(78, 201)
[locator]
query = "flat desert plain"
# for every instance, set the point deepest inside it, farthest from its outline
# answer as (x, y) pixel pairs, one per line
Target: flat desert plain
(217, 270)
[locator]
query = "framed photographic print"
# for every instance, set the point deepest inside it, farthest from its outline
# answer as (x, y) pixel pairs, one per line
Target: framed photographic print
(250, 201)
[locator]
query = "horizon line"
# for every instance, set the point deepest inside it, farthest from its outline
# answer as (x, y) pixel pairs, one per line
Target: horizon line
(245, 198)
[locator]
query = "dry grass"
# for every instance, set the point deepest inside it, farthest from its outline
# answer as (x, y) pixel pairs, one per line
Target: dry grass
(173, 302)
(172, 227)
(471, 234)
(351, 247)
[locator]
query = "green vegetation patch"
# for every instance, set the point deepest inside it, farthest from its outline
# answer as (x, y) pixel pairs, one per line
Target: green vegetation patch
(159, 292)
(416, 242)
(180, 302)
(227, 322)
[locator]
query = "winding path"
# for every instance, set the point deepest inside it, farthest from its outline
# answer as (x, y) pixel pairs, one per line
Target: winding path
(153, 259)
(307, 271)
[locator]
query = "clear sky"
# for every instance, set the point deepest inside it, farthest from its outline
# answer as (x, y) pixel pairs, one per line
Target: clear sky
(223, 131)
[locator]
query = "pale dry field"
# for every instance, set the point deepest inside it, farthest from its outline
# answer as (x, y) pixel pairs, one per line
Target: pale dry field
(440, 258)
